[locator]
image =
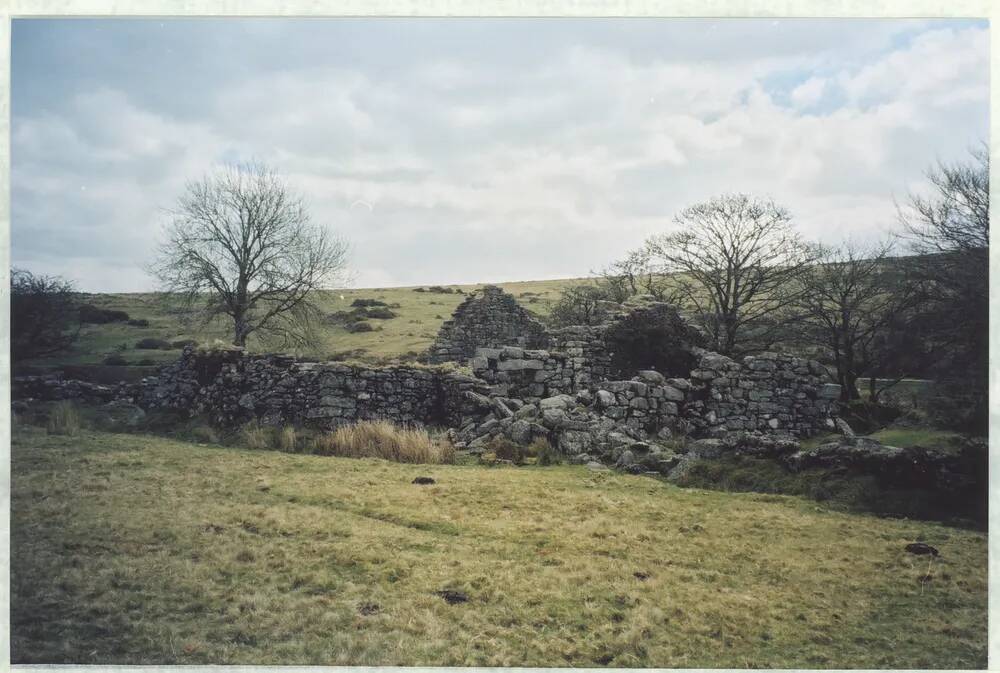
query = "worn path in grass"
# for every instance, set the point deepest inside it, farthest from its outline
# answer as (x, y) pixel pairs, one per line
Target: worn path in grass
(133, 549)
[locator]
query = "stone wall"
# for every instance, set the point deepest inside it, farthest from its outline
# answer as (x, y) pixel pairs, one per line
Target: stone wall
(232, 387)
(490, 318)
(51, 388)
(768, 392)
(528, 374)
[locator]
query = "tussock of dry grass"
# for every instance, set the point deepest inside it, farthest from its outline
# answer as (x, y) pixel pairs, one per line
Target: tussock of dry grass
(288, 439)
(382, 439)
(64, 419)
(253, 435)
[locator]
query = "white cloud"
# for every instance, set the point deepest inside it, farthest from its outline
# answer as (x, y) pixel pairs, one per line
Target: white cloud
(809, 92)
(480, 171)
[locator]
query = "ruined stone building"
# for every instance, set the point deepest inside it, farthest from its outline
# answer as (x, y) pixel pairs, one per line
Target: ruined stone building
(489, 319)
(606, 392)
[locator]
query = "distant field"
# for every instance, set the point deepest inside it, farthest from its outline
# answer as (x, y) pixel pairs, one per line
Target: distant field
(143, 550)
(420, 315)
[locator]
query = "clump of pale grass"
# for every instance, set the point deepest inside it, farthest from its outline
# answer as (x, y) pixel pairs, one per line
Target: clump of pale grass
(256, 436)
(64, 419)
(287, 439)
(382, 439)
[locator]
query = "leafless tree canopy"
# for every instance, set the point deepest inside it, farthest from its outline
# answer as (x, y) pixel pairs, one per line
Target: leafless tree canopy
(955, 216)
(634, 274)
(850, 298)
(948, 229)
(241, 244)
(737, 262)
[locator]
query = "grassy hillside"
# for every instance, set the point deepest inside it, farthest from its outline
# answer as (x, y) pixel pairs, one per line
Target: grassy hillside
(419, 316)
(135, 549)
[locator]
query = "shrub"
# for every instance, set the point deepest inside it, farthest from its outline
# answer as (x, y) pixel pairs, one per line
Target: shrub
(364, 303)
(287, 439)
(43, 316)
(183, 343)
(504, 449)
(441, 290)
(115, 361)
(380, 313)
(99, 316)
(140, 322)
(419, 289)
(146, 362)
(64, 419)
(382, 439)
(359, 327)
(256, 436)
(153, 344)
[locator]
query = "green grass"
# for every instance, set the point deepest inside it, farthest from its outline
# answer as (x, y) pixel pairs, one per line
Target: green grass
(419, 316)
(929, 438)
(138, 549)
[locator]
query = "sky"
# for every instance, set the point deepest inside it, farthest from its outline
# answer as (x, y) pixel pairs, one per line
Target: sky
(478, 150)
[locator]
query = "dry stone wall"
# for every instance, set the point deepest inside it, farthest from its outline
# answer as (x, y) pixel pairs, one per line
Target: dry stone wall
(233, 387)
(768, 393)
(490, 318)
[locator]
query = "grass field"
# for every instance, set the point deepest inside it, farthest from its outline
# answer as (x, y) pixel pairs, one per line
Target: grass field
(419, 316)
(138, 549)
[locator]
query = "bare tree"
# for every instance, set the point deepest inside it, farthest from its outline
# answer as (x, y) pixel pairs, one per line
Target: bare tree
(737, 262)
(634, 274)
(955, 216)
(241, 244)
(43, 315)
(850, 299)
(948, 230)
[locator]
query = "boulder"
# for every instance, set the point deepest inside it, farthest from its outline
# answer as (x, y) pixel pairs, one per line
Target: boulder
(650, 376)
(574, 441)
(557, 402)
(605, 399)
(520, 432)
(843, 428)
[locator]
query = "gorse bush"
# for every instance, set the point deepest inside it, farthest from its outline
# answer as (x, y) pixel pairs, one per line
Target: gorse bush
(153, 344)
(504, 449)
(64, 419)
(382, 439)
(359, 327)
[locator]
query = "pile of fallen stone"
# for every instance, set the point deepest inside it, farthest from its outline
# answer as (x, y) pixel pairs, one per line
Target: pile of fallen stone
(624, 423)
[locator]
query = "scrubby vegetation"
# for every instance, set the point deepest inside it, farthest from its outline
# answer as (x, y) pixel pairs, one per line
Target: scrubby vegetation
(159, 551)
(845, 489)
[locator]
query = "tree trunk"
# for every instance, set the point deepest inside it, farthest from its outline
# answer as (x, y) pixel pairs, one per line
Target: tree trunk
(241, 330)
